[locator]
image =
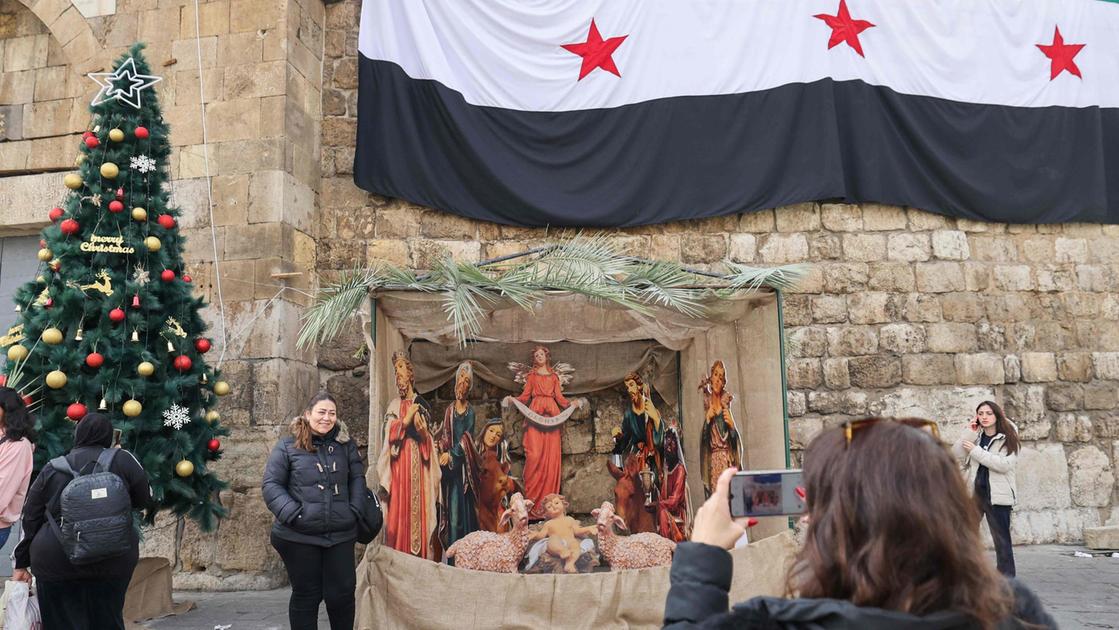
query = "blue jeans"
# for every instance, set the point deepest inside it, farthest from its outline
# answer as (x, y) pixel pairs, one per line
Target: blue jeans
(4, 533)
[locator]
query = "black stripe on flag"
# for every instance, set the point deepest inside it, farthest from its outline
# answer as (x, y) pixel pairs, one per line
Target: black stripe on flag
(702, 156)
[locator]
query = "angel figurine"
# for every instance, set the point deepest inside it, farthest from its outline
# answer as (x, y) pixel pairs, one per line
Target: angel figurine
(544, 406)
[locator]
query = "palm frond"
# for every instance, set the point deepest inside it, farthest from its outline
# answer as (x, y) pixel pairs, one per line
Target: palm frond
(745, 278)
(665, 284)
(336, 303)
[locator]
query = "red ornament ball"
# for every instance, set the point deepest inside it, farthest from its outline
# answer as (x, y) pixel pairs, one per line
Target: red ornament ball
(42, 243)
(116, 315)
(76, 411)
(69, 226)
(49, 303)
(94, 359)
(166, 221)
(214, 445)
(116, 206)
(182, 363)
(91, 141)
(167, 275)
(202, 345)
(55, 214)
(3, 380)
(141, 132)
(86, 134)
(186, 278)
(27, 400)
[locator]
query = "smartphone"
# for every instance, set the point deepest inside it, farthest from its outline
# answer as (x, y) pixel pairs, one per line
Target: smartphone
(116, 437)
(766, 493)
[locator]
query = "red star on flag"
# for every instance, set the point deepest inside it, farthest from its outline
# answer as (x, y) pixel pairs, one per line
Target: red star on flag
(844, 29)
(596, 52)
(1061, 55)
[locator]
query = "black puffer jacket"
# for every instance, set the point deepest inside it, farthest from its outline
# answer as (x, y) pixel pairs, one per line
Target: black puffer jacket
(701, 576)
(315, 495)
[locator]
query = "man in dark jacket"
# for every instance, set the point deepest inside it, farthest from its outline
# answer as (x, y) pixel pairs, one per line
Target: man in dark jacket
(87, 596)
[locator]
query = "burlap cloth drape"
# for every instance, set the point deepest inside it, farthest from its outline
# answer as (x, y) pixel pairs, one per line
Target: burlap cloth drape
(396, 590)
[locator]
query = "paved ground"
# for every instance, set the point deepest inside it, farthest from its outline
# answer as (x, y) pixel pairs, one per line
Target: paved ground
(1079, 593)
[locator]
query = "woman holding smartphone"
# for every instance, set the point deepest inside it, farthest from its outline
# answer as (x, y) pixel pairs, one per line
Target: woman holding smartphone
(988, 452)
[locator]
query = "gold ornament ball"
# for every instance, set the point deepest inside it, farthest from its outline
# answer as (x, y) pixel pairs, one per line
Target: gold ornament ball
(109, 170)
(132, 408)
(145, 369)
(212, 416)
(221, 388)
(52, 336)
(139, 214)
(152, 244)
(78, 160)
(17, 353)
(56, 379)
(116, 135)
(73, 181)
(45, 254)
(184, 468)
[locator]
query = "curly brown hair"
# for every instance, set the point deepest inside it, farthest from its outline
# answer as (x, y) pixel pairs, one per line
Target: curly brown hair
(891, 525)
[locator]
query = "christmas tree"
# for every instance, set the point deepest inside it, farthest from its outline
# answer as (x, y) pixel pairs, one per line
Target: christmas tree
(110, 324)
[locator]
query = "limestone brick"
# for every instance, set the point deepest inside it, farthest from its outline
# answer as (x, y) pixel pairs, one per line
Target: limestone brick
(1043, 478)
(877, 217)
(875, 371)
(811, 282)
(798, 310)
(977, 276)
(962, 307)
(951, 337)
(256, 241)
(393, 251)
(950, 245)
(928, 369)
(761, 221)
(993, 248)
(1091, 477)
(743, 248)
(829, 309)
(25, 53)
(1073, 427)
(864, 247)
(930, 402)
(920, 307)
(804, 217)
(1013, 277)
(233, 120)
(891, 276)
(796, 404)
(909, 247)
(836, 373)
(839, 217)
(703, 248)
(185, 51)
(1051, 278)
(188, 92)
(980, 369)
(871, 308)
(940, 277)
(849, 402)
(1074, 366)
(902, 338)
(48, 118)
(1039, 367)
(1093, 278)
(968, 225)
(425, 253)
(255, 15)
(213, 19)
(825, 246)
(17, 87)
(1037, 249)
(1106, 365)
(784, 248)
(804, 374)
(852, 341)
(846, 277)
(1064, 397)
(921, 220)
(807, 341)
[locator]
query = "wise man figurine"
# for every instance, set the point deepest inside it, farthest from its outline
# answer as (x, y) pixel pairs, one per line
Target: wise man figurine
(455, 441)
(409, 468)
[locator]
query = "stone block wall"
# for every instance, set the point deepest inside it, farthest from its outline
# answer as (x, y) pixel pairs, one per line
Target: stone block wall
(905, 312)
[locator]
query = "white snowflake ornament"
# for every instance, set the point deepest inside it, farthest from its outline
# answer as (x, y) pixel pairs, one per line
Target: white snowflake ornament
(176, 417)
(141, 163)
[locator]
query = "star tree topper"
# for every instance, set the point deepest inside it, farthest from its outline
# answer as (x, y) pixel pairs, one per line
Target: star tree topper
(123, 84)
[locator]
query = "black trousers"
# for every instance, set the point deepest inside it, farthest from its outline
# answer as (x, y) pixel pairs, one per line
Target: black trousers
(319, 574)
(998, 521)
(82, 604)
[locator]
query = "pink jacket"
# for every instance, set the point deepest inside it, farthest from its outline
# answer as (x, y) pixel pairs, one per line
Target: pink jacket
(15, 475)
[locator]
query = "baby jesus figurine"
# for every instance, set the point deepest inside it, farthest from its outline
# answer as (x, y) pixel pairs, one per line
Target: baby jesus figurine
(562, 533)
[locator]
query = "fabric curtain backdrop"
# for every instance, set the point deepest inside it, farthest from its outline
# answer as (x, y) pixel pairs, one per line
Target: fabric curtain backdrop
(597, 366)
(983, 109)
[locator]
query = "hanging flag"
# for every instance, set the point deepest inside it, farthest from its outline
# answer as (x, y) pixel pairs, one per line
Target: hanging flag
(630, 112)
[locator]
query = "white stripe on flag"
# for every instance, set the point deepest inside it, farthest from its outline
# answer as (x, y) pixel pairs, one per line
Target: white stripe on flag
(507, 53)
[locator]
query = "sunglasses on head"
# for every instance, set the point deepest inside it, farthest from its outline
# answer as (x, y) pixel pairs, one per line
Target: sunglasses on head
(850, 428)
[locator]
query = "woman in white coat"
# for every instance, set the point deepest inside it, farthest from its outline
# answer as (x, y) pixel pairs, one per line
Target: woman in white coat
(988, 453)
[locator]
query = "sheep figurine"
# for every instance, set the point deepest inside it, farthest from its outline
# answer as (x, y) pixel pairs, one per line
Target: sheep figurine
(636, 551)
(502, 553)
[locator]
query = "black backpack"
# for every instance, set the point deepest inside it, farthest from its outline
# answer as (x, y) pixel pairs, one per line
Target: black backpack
(96, 520)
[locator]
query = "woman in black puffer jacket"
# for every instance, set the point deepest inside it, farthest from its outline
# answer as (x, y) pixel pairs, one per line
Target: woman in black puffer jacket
(314, 484)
